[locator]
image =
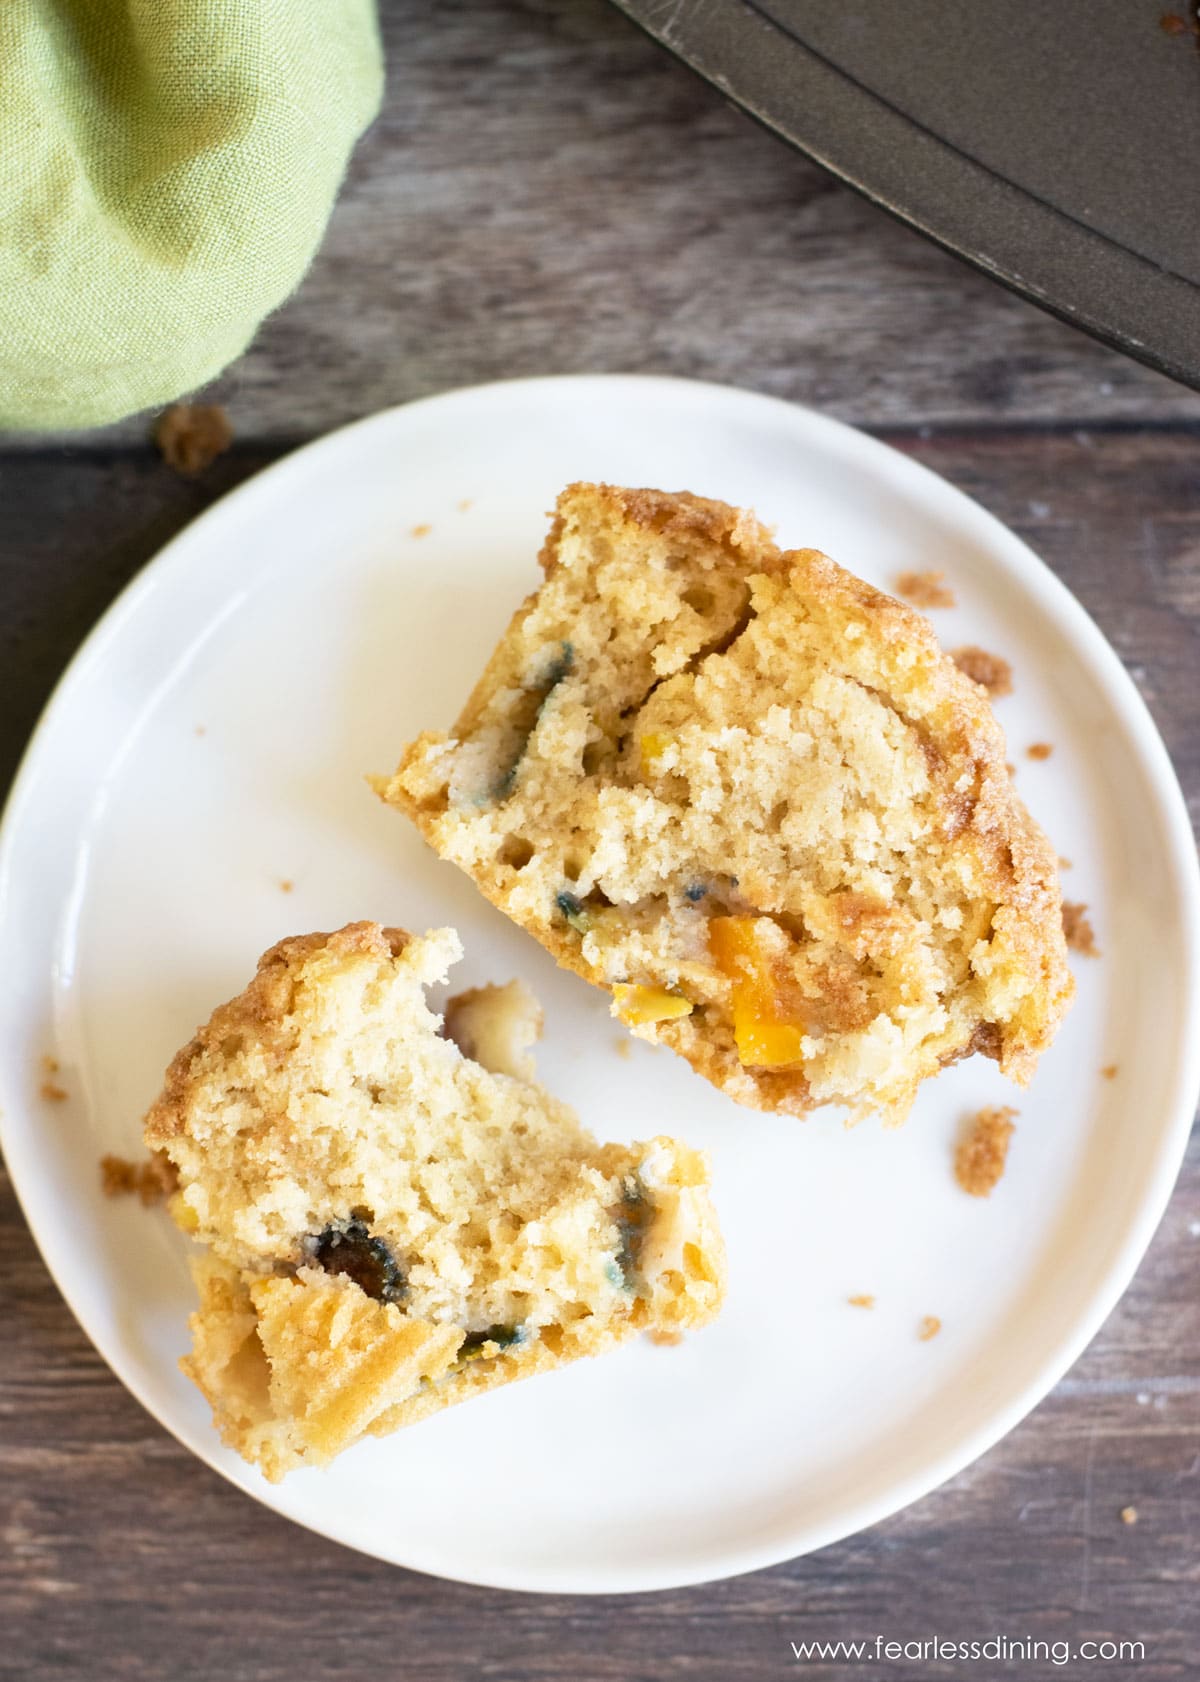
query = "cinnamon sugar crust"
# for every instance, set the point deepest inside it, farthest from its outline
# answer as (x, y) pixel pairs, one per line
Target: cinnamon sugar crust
(1078, 931)
(982, 1153)
(925, 589)
(192, 435)
(992, 671)
(152, 1180)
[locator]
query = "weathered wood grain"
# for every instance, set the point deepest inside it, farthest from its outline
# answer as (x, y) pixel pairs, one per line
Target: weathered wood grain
(124, 1558)
(548, 191)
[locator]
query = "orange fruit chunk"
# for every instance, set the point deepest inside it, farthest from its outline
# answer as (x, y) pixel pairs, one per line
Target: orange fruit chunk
(636, 1003)
(766, 1032)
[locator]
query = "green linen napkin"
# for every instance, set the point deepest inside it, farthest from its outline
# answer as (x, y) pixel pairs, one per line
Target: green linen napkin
(167, 168)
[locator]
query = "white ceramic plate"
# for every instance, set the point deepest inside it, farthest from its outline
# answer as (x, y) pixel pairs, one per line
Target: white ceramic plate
(210, 741)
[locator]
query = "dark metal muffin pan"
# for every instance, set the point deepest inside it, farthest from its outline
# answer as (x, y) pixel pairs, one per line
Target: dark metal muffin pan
(1054, 144)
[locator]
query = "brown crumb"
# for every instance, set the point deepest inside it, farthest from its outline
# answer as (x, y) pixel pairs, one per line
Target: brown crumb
(1039, 750)
(192, 435)
(992, 671)
(467, 502)
(983, 1150)
(667, 1339)
(624, 1046)
(1010, 768)
(926, 589)
(1064, 864)
(153, 1180)
(202, 730)
(930, 1327)
(1109, 1071)
(863, 1300)
(1078, 931)
(53, 1093)
(423, 530)
(286, 885)
(1129, 1515)
(50, 1064)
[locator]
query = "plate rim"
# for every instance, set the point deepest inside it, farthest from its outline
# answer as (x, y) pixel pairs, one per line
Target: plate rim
(1173, 823)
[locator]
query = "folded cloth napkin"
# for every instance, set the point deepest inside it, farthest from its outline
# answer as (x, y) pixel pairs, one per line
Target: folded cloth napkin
(167, 168)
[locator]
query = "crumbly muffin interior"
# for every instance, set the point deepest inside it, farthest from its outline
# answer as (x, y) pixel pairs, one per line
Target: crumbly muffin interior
(354, 1176)
(750, 795)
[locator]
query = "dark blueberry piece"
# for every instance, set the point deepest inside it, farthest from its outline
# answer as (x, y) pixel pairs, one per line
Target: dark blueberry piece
(523, 721)
(695, 893)
(503, 1336)
(559, 667)
(568, 904)
(348, 1247)
(631, 1217)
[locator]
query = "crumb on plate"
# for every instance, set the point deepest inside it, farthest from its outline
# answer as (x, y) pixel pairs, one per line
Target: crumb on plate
(929, 1327)
(1039, 750)
(467, 502)
(153, 1179)
(991, 671)
(665, 1338)
(1077, 930)
(926, 589)
(623, 1047)
(983, 1150)
(863, 1300)
(422, 530)
(192, 435)
(286, 885)
(1109, 1071)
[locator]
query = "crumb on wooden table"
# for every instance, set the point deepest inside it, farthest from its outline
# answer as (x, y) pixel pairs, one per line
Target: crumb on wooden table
(421, 530)
(863, 1300)
(1109, 1071)
(1039, 750)
(153, 1179)
(192, 435)
(929, 1327)
(1077, 930)
(983, 1150)
(925, 589)
(1129, 1515)
(992, 671)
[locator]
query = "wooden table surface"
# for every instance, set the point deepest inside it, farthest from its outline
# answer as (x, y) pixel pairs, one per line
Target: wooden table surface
(547, 192)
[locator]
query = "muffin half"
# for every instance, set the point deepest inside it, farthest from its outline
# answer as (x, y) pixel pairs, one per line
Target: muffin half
(750, 796)
(391, 1226)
